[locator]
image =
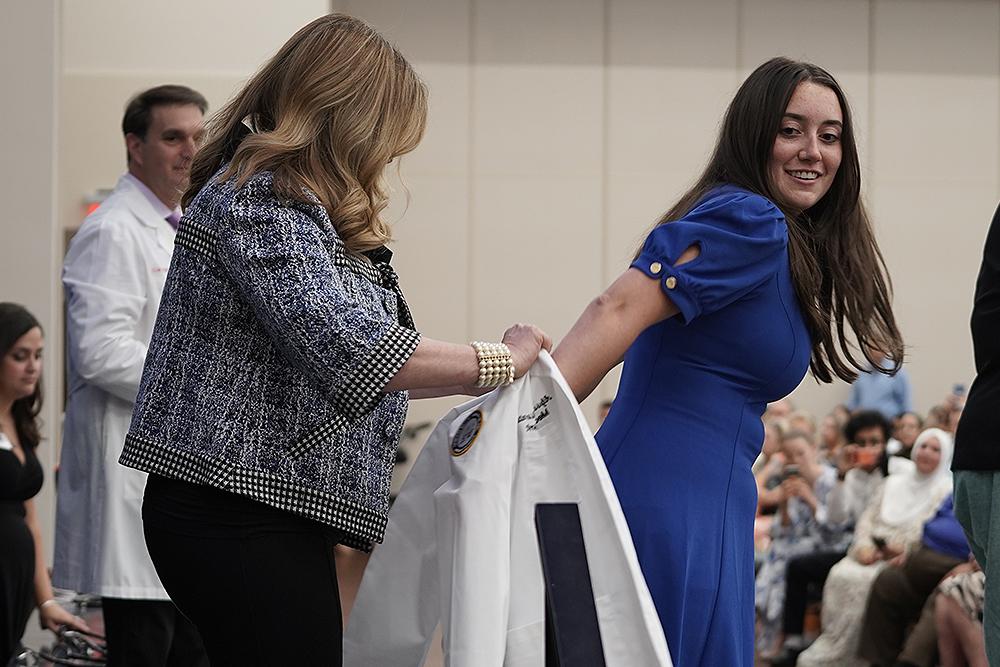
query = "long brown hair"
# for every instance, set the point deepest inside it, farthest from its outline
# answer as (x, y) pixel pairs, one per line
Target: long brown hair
(839, 273)
(15, 321)
(329, 111)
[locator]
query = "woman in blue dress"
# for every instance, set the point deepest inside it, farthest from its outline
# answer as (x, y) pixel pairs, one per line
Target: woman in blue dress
(758, 273)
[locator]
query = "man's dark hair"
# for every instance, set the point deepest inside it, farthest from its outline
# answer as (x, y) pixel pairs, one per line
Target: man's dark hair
(920, 420)
(864, 419)
(15, 321)
(139, 109)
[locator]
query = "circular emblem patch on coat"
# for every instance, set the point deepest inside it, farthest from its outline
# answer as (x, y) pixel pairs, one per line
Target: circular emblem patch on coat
(467, 433)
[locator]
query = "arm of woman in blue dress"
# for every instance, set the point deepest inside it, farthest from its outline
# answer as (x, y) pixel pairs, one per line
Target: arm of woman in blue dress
(437, 368)
(610, 324)
(50, 614)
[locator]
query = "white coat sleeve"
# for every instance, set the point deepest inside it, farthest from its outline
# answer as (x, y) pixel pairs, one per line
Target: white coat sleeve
(473, 511)
(103, 278)
(398, 605)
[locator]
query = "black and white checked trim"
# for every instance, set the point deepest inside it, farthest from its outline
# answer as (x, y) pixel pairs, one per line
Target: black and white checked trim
(322, 434)
(197, 237)
(362, 523)
(391, 281)
(366, 270)
(363, 526)
(144, 454)
(363, 388)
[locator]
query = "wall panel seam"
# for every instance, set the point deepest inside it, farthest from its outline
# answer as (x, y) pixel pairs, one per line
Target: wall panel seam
(470, 221)
(869, 193)
(605, 144)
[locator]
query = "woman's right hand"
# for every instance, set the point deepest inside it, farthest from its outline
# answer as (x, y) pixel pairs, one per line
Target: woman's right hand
(846, 458)
(525, 341)
(52, 616)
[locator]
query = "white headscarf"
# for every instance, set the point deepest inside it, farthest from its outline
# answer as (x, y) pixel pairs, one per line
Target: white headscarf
(908, 494)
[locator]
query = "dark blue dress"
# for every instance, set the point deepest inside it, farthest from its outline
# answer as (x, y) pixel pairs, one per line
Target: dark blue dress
(685, 426)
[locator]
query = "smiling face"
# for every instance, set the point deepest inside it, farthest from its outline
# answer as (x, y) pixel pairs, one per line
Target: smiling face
(807, 151)
(927, 456)
(21, 366)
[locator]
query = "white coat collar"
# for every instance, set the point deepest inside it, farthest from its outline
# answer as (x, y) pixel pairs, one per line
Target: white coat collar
(158, 207)
(153, 218)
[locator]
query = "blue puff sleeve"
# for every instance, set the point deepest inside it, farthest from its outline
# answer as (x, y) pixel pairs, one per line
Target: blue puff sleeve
(742, 239)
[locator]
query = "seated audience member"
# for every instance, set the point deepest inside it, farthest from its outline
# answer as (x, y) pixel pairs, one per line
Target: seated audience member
(890, 527)
(768, 466)
(958, 614)
(767, 476)
(860, 472)
(905, 431)
(954, 415)
(902, 590)
(831, 437)
(938, 417)
(946, 415)
(780, 409)
(842, 413)
(24, 577)
(861, 466)
(805, 486)
(803, 421)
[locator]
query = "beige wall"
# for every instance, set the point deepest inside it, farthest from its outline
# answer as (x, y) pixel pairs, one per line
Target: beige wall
(29, 47)
(559, 130)
(68, 67)
(112, 50)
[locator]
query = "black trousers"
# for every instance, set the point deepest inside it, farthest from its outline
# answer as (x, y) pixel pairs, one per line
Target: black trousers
(805, 572)
(150, 633)
(259, 584)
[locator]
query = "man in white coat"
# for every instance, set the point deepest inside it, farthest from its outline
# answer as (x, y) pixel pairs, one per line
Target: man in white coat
(113, 276)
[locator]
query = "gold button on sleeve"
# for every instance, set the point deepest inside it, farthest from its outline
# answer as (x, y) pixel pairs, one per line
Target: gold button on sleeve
(671, 282)
(655, 268)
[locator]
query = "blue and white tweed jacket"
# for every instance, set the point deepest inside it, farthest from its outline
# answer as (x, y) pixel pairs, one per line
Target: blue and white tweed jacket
(265, 371)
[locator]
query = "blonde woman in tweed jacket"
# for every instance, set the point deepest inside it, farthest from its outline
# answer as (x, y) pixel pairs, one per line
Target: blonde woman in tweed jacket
(277, 379)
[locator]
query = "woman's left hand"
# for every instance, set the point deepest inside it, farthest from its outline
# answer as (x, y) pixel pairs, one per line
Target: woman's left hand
(53, 616)
(867, 555)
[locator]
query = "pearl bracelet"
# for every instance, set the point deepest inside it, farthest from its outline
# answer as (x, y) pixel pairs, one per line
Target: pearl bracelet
(496, 368)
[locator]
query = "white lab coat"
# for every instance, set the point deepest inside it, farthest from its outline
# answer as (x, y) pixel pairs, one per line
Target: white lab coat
(461, 548)
(113, 276)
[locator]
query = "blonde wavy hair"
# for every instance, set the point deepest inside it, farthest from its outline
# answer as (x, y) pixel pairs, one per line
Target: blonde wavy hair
(329, 111)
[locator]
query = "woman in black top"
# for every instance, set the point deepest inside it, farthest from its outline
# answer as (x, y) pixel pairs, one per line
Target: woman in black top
(24, 579)
(977, 456)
